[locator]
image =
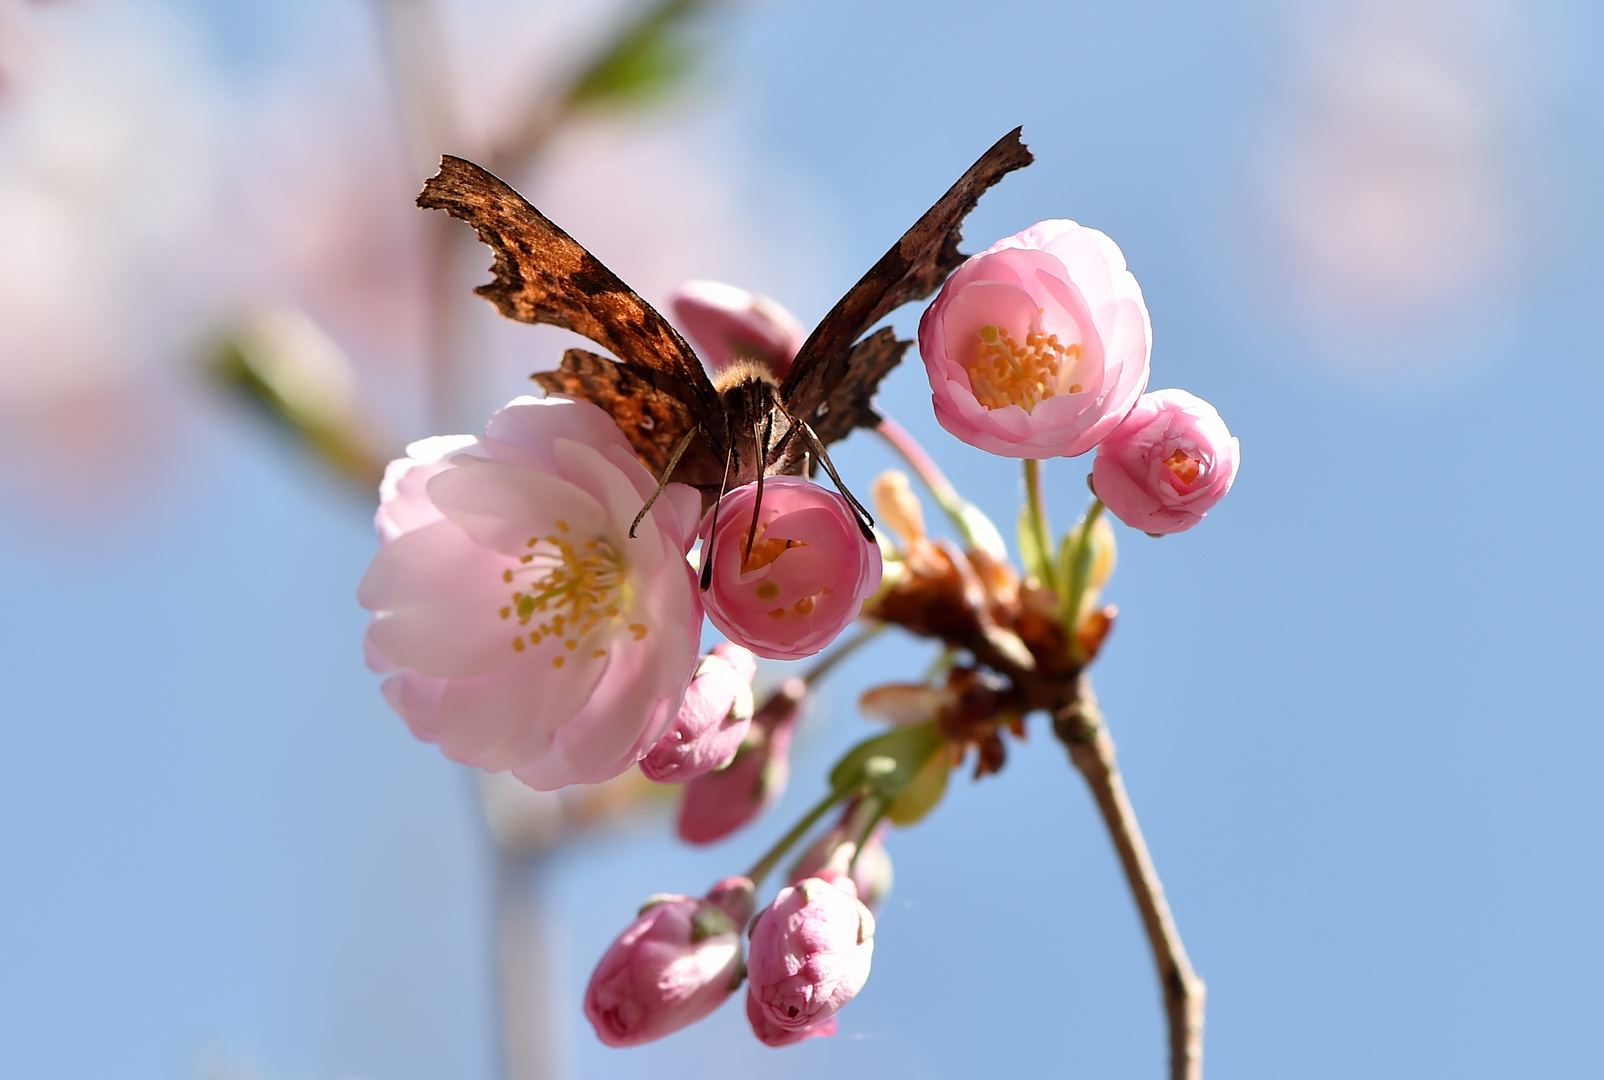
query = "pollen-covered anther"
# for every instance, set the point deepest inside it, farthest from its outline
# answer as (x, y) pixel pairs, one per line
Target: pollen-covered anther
(1005, 373)
(765, 550)
(1184, 467)
(578, 587)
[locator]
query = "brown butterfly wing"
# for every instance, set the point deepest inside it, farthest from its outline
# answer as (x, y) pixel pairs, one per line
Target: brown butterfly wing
(652, 421)
(543, 276)
(913, 269)
(847, 405)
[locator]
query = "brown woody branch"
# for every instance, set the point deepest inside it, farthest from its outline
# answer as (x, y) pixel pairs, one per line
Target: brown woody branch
(1081, 729)
(972, 603)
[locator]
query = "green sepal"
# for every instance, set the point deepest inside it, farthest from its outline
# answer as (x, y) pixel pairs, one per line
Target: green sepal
(1031, 556)
(658, 900)
(923, 792)
(710, 921)
(885, 765)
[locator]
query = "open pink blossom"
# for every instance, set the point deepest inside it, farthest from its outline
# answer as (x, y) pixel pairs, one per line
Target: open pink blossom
(673, 965)
(712, 722)
(526, 629)
(727, 324)
(1170, 461)
(1038, 346)
(809, 572)
(810, 954)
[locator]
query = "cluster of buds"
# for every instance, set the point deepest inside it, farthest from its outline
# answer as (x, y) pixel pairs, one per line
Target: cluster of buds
(529, 629)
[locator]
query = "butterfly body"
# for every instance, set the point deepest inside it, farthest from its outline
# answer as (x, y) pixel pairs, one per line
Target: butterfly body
(719, 433)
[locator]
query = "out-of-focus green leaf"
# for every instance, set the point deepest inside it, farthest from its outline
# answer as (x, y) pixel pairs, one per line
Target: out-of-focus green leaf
(650, 55)
(923, 792)
(281, 362)
(888, 763)
(1031, 556)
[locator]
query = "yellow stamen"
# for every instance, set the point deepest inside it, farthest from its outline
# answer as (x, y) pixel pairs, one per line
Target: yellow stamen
(1006, 373)
(578, 588)
(1185, 468)
(766, 549)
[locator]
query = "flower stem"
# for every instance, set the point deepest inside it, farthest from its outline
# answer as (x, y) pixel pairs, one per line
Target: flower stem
(862, 825)
(869, 632)
(772, 857)
(965, 517)
(1038, 522)
(1081, 729)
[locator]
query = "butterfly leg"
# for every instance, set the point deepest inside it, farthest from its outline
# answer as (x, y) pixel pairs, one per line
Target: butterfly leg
(673, 460)
(865, 519)
(707, 548)
(764, 432)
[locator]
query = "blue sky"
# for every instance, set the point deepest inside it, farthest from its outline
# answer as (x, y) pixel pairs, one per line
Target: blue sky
(1358, 708)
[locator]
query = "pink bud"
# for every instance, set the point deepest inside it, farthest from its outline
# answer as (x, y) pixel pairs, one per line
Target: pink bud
(727, 324)
(675, 963)
(715, 804)
(712, 721)
(1170, 461)
(1038, 346)
(810, 568)
(870, 871)
(772, 1034)
(810, 954)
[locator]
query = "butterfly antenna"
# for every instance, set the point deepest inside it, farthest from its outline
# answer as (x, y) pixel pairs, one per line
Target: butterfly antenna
(767, 432)
(865, 519)
(712, 531)
(668, 471)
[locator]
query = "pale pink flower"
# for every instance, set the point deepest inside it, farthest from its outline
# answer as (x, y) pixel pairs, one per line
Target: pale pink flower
(1170, 461)
(715, 804)
(674, 964)
(527, 630)
(727, 324)
(810, 568)
(1038, 346)
(712, 722)
(810, 954)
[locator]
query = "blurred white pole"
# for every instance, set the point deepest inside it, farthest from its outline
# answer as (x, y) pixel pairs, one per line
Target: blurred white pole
(531, 1044)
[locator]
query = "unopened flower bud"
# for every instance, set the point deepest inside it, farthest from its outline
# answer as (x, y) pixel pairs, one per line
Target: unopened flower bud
(727, 324)
(810, 955)
(715, 804)
(836, 853)
(712, 721)
(1167, 463)
(676, 963)
(897, 506)
(806, 575)
(771, 1034)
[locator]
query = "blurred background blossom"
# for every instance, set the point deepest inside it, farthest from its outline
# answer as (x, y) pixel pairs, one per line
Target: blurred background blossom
(1397, 188)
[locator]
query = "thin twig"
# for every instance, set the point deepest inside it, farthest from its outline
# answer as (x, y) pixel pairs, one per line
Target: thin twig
(1081, 729)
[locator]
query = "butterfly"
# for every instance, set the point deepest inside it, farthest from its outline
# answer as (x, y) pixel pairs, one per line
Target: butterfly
(714, 433)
